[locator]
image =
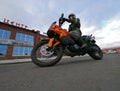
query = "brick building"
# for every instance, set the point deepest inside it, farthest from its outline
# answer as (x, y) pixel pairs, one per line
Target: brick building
(111, 50)
(17, 42)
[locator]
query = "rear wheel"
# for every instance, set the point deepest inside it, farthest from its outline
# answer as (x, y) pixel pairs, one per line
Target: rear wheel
(95, 52)
(43, 57)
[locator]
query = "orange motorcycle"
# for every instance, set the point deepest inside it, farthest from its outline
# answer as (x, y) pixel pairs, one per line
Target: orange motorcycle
(59, 43)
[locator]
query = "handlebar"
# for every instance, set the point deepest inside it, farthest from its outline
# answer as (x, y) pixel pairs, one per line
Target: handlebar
(62, 15)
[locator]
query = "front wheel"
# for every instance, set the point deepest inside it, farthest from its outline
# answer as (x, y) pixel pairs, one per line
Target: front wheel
(95, 52)
(43, 57)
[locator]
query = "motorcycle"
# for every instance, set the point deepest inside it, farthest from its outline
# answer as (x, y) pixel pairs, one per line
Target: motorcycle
(49, 51)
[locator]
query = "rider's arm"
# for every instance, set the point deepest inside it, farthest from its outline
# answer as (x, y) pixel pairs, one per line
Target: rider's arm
(69, 20)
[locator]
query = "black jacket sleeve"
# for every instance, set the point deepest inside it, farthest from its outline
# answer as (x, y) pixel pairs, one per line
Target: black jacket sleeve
(69, 20)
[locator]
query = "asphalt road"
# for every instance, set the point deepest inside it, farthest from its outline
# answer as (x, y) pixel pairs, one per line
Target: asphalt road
(70, 74)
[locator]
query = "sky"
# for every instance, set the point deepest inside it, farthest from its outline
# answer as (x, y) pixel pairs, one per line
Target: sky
(101, 18)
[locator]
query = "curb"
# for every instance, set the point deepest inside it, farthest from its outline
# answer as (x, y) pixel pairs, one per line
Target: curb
(15, 61)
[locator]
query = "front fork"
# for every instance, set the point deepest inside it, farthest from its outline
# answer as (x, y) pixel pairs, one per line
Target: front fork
(52, 42)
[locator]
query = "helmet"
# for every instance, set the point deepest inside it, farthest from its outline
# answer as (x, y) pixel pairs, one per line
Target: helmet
(73, 15)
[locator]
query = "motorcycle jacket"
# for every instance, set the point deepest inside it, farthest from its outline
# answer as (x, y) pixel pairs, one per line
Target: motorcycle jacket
(75, 24)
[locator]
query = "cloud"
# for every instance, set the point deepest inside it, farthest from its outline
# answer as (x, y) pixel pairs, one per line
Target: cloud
(52, 5)
(108, 35)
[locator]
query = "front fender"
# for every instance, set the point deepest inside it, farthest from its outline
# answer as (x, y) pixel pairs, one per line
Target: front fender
(46, 39)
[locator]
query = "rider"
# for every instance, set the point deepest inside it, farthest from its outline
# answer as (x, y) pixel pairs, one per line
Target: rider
(74, 29)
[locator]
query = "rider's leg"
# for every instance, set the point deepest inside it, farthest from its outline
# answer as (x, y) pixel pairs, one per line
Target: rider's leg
(76, 34)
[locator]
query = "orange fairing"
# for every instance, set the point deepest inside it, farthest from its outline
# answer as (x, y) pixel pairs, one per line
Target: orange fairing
(61, 32)
(57, 29)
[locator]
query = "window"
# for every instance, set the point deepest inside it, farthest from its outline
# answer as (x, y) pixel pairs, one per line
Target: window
(22, 51)
(3, 49)
(4, 33)
(25, 37)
